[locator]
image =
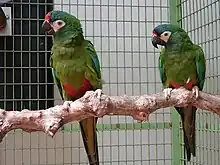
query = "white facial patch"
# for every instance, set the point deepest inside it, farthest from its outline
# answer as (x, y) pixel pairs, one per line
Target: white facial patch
(58, 24)
(165, 36)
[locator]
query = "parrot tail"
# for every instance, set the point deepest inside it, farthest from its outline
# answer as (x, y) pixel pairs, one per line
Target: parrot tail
(88, 130)
(188, 116)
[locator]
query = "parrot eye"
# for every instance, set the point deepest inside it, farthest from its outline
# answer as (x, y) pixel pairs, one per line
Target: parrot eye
(165, 36)
(60, 23)
(166, 33)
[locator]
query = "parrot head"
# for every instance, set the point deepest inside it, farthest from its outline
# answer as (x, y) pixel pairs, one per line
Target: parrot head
(166, 33)
(59, 21)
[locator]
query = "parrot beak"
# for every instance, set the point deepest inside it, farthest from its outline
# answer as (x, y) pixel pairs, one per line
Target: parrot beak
(47, 27)
(157, 41)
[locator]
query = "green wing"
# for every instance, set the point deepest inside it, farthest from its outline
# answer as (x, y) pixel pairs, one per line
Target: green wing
(161, 68)
(95, 64)
(200, 66)
(94, 57)
(56, 79)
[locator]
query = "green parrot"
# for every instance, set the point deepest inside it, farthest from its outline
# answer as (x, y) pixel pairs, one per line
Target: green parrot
(75, 69)
(181, 64)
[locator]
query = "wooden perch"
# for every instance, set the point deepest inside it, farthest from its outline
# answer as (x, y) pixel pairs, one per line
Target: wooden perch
(97, 104)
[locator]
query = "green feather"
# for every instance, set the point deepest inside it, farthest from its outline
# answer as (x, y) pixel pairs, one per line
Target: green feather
(94, 57)
(56, 80)
(201, 67)
(161, 68)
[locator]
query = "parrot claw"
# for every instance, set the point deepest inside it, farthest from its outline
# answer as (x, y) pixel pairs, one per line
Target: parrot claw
(167, 92)
(195, 91)
(98, 94)
(66, 104)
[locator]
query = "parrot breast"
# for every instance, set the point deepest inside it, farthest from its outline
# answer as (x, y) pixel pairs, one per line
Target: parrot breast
(75, 92)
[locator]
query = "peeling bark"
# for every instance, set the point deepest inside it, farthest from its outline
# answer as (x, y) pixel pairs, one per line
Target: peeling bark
(92, 104)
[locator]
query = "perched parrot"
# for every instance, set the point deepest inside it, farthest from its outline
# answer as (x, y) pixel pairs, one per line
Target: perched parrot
(75, 68)
(181, 64)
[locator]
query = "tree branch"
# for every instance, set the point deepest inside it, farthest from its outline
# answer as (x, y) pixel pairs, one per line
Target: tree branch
(97, 104)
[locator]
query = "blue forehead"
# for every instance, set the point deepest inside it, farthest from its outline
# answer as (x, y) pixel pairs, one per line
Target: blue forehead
(166, 27)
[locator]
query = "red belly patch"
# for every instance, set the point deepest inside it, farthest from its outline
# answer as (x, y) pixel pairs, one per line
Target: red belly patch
(75, 92)
(188, 85)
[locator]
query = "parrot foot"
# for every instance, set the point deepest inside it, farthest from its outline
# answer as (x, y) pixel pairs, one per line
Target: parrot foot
(98, 94)
(195, 91)
(167, 92)
(66, 104)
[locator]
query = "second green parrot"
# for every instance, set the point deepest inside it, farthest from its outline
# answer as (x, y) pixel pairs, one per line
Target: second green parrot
(181, 64)
(75, 68)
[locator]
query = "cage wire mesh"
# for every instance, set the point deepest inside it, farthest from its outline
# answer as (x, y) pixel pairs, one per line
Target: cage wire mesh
(121, 33)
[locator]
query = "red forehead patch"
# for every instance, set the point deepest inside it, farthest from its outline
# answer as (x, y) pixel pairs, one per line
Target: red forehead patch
(47, 17)
(154, 33)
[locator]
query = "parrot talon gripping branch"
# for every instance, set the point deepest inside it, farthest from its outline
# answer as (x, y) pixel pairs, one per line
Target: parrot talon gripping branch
(167, 92)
